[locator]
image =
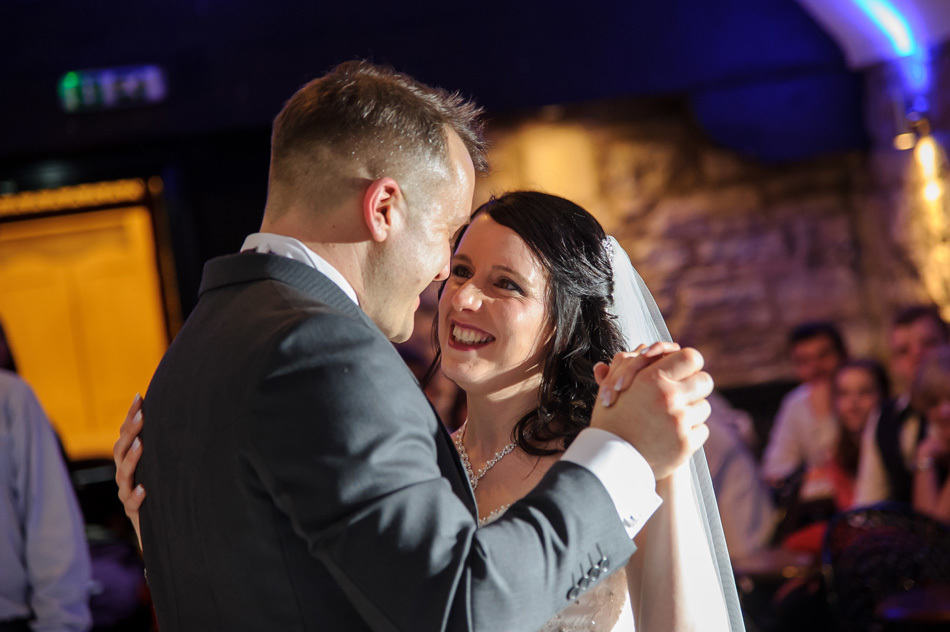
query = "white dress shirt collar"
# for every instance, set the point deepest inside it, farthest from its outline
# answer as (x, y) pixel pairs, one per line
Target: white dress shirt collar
(285, 246)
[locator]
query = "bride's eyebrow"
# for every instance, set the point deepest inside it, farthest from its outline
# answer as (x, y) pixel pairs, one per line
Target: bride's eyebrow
(520, 277)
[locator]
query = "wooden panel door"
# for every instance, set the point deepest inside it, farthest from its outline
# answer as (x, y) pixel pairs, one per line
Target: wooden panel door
(80, 301)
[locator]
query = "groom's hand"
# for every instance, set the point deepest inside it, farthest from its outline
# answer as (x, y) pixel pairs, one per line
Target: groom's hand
(663, 410)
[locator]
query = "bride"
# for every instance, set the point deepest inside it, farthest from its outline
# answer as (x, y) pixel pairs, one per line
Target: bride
(537, 300)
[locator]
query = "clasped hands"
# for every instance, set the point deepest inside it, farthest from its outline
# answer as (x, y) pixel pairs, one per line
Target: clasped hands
(655, 398)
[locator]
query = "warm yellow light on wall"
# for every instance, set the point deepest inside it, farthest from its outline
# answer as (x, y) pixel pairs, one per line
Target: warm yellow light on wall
(81, 302)
(926, 154)
(929, 246)
(80, 196)
(932, 191)
(904, 141)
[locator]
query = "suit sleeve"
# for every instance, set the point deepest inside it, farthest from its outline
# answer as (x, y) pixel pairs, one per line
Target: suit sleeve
(344, 442)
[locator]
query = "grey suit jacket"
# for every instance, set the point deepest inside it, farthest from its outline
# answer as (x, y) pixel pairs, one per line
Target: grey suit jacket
(298, 479)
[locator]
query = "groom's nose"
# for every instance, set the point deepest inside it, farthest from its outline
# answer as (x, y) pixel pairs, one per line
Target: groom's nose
(443, 273)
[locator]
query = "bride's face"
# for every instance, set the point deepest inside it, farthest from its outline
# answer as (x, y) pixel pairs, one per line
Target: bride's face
(493, 324)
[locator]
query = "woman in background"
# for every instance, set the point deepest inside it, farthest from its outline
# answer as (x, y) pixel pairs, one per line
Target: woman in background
(931, 395)
(860, 393)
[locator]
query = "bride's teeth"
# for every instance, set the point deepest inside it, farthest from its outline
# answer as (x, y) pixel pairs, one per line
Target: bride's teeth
(468, 336)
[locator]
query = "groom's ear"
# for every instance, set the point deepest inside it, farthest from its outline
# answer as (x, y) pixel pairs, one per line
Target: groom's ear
(382, 200)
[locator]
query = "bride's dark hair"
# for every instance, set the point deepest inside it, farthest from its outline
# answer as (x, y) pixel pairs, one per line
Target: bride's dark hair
(570, 244)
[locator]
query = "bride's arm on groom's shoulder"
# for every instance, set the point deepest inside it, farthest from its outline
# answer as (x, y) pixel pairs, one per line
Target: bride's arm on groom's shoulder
(126, 453)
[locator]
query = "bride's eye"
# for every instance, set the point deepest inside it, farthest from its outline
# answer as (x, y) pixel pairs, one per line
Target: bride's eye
(508, 284)
(460, 270)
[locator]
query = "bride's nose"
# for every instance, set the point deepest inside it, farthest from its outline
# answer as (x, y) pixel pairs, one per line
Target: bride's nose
(467, 297)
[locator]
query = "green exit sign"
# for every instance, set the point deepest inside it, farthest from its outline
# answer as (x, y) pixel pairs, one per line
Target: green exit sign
(110, 88)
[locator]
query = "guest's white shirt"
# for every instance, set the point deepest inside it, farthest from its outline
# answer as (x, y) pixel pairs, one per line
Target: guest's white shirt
(799, 436)
(621, 469)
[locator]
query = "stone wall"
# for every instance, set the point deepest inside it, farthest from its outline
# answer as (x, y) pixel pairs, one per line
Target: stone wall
(735, 252)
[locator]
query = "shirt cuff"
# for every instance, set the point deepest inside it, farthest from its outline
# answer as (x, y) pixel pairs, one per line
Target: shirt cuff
(622, 470)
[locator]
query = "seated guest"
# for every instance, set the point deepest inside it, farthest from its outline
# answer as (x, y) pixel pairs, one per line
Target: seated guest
(931, 395)
(805, 430)
(860, 392)
(745, 506)
(44, 559)
(887, 456)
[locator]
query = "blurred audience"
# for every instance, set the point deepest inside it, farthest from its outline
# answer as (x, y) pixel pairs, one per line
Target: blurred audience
(44, 560)
(860, 392)
(930, 395)
(805, 431)
(890, 444)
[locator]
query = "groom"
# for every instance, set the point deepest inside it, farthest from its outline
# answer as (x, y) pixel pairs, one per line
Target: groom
(297, 477)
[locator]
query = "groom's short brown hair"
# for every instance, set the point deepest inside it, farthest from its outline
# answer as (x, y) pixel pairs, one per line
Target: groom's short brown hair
(373, 112)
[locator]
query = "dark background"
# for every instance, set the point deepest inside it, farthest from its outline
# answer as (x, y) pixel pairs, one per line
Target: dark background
(759, 76)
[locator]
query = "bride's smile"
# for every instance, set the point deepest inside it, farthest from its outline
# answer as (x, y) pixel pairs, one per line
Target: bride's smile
(468, 337)
(493, 319)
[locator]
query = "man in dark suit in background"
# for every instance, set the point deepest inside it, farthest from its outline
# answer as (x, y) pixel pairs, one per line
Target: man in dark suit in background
(889, 444)
(297, 477)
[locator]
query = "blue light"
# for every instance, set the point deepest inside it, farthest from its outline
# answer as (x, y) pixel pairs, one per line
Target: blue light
(893, 24)
(916, 71)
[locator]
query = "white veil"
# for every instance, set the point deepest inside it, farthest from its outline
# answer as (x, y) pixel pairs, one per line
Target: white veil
(640, 321)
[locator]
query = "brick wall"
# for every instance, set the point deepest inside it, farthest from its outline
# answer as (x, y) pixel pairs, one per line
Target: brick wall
(735, 251)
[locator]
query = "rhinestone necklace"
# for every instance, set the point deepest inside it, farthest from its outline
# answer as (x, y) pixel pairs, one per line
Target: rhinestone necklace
(474, 477)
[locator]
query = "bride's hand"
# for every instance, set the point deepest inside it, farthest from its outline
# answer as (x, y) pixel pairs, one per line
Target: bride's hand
(621, 374)
(126, 452)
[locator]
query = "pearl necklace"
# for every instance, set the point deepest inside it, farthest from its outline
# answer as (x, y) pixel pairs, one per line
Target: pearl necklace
(474, 477)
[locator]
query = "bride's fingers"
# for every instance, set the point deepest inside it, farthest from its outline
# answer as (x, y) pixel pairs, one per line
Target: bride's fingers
(128, 430)
(626, 372)
(622, 371)
(125, 473)
(660, 348)
(134, 502)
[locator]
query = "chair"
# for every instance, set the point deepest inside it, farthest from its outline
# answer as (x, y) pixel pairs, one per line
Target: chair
(874, 552)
